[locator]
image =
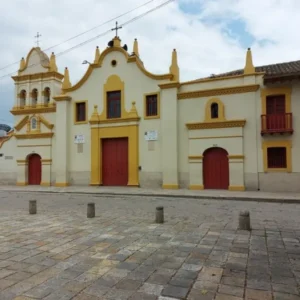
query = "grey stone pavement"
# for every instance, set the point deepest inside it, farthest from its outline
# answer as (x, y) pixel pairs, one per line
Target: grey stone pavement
(287, 197)
(198, 253)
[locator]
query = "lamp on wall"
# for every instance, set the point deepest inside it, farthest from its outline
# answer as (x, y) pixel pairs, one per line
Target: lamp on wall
(86, 62)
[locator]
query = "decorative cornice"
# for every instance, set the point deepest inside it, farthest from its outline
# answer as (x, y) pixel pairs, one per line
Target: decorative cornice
(34, 135)
(229, 77)
(22, 123)
(196, 157)
(32, 110)
(219, 91)
(62, 98)
(169, 85)
(37, 76)
(236, 156)
(4, 139)
(110, 121)
(45, 122)
(46, 161)
(22, 162)
(213, 125)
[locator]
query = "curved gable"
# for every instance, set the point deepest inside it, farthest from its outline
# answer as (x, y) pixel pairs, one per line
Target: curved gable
(37, 60)
(129, 59)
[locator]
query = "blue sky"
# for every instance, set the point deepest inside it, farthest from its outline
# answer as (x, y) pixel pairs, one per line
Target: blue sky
(210, 36)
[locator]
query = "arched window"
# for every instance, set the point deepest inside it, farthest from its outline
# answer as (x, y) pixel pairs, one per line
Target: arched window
(34, 97)
(46, 95)
(214, 110)
(22, 98)
(33, 124)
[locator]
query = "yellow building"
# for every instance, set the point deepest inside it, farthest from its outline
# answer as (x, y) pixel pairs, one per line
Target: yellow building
(121, 125)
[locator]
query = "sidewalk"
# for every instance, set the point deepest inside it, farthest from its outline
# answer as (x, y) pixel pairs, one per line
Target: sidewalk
(181, 193)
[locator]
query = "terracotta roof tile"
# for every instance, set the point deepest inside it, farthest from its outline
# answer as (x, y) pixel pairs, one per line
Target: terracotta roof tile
(273, 70)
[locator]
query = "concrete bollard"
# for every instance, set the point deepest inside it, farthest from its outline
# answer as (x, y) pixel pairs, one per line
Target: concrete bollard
(159, 216)
(244, 220)
(91, 210)
(32, 207)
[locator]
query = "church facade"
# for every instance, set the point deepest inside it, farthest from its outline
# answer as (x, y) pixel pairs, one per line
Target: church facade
(121, 125)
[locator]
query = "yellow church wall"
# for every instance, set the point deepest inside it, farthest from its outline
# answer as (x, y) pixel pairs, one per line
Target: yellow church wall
(8, 164)
(236, 141)
(40, 141)
(211, 83)
(283, 180)
(175, 159)
(134, 91)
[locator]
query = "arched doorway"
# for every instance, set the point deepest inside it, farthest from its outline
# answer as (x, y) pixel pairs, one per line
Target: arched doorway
(34, 169)
(215, 169)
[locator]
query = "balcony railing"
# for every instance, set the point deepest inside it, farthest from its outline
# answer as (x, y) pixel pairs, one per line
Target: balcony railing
(277, 123)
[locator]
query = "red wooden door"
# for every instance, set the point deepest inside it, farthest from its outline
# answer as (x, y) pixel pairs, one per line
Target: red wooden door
(276, 112)
(34, 170)
(215, 169)
(115, 162)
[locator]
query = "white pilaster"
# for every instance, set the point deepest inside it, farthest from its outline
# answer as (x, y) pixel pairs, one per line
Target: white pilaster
(61, 132)
(196, 174)
(236, 174)
(169, 134)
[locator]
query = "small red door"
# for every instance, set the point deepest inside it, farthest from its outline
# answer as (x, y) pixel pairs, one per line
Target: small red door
(34, 170)
(216, 169)
(115, 162)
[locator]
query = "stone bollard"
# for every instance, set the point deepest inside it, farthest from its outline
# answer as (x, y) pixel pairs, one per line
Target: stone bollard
(91, 210)
(159, 217)
(244, 220)
(32, 207)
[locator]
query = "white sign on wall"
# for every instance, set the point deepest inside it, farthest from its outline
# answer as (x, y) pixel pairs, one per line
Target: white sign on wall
(151, 135)
(79, 139)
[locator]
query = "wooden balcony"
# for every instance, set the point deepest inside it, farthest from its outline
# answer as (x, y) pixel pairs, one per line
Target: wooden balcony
(277, 123)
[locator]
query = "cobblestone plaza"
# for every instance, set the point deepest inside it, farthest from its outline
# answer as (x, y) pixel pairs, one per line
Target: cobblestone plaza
(198, 253)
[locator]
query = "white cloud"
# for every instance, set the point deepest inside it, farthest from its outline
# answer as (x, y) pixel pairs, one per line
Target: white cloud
(203, 48)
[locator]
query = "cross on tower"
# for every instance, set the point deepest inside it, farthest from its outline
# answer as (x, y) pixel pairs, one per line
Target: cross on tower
(116, 28)
(37, 38)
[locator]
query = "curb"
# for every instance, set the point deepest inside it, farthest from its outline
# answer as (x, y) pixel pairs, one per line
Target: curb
(199, 197)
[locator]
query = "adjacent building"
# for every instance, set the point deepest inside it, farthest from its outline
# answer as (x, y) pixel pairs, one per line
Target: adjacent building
(121, 125)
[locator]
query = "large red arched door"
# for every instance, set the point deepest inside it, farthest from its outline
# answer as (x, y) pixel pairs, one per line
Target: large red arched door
(216, 169)
(34, 169)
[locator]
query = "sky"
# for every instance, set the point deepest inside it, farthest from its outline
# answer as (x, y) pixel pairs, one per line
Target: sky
(210, 36)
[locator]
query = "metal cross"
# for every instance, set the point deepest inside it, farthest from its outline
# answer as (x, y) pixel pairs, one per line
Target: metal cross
(37, 38)
(116, 28)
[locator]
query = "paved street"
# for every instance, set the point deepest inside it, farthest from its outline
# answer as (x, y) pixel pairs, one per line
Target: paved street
(122, 254)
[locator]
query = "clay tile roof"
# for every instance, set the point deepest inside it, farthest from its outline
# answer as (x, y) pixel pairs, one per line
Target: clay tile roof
(273, 70)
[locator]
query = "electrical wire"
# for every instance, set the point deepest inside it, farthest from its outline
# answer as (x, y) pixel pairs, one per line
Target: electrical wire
(89, 30)
(100, 35)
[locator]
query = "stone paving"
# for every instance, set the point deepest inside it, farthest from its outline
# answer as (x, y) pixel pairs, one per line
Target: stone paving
(287, 197)
(197, 254)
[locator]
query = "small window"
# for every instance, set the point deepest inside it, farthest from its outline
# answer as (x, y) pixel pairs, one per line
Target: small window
(277, 158)
(33, 123)
(151, 106)
(114, 105)
(214, 110)
(22, 98)
(46, 95)
(80, 112)
(34, 97)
